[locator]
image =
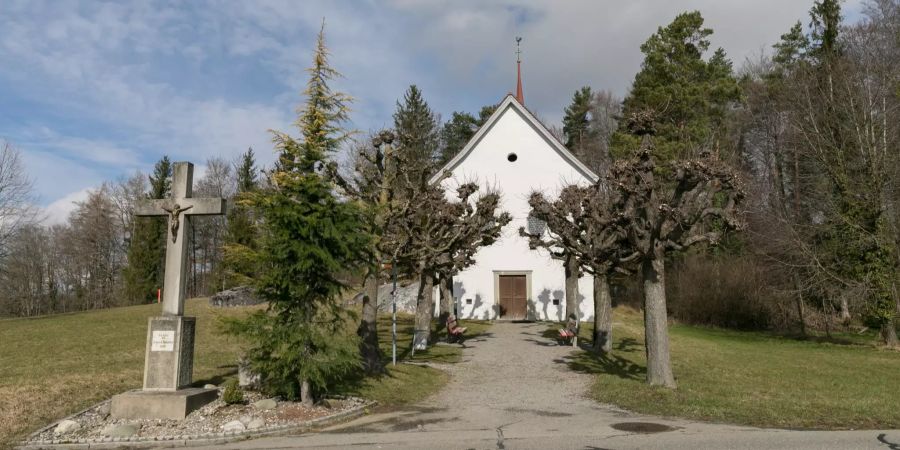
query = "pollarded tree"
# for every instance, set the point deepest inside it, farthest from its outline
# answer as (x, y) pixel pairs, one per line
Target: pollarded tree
(299, 345)
(667, 211)
(582, 222)
(435, 235)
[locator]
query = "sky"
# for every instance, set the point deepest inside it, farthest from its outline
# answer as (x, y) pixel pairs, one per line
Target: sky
(94, 91)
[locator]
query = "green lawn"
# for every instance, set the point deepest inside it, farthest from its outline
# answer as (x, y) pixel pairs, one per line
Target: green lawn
(749, 378)
(53, 366)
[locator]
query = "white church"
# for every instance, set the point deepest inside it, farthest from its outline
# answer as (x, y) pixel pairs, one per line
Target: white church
(514, 152)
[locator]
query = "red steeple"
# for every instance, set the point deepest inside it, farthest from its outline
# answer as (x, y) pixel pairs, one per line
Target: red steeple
(519, 95)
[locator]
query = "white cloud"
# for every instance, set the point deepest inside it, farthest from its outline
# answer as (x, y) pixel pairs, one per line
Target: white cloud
(58, 211)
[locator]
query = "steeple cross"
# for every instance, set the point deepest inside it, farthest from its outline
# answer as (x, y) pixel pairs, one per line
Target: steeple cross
(178, 208)
(518, 49)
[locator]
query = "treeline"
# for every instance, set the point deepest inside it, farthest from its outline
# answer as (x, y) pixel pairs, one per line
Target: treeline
(813, 128)
(104, 256)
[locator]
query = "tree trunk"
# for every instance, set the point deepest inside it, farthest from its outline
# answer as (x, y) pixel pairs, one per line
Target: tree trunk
(889, 333)
(845, 310)
(446, 282)
(602, 315)
(306, 397)
(368, 326)
(571, 267)
(656, 333)
(424, 311)
(800, 309)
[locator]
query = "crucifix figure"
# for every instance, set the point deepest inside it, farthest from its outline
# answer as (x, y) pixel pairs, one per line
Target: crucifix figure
(179, 209)
(173, 218)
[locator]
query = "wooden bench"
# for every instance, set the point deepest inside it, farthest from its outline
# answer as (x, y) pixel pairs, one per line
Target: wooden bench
(569, 334)
(454, 331)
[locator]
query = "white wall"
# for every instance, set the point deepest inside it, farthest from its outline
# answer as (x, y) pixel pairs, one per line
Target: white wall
(539, 167)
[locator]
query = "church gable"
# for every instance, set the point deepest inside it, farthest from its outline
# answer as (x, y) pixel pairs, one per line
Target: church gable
(513, 140)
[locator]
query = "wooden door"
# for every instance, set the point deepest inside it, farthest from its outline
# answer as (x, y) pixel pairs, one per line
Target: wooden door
(513, 297)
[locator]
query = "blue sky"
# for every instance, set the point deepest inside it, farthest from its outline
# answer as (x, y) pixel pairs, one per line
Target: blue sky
(92, 91)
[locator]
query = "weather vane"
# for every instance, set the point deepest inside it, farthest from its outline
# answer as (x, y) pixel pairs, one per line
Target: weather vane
(518, 50)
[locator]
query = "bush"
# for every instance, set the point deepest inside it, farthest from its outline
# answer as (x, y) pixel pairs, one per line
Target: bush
(233, 393)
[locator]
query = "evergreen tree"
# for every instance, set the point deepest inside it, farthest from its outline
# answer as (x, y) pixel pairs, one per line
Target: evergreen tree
(456, 133)
(689, 94)
(147, 248)
(576, 122)
(241, 235)
(300, 345)
(417, 134)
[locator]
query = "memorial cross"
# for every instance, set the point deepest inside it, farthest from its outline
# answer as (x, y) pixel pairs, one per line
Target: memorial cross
(178, 208)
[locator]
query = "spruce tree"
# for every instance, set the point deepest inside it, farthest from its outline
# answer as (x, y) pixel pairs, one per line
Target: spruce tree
(689, 94)
(576, 123)
(300, 344)
(147, 249)
(456, 133)
(241, 235)
(417, 134)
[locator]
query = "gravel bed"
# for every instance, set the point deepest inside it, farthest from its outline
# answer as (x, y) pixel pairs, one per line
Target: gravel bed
(214, 419)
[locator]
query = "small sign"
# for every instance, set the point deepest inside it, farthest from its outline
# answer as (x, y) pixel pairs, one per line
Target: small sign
(162, 341)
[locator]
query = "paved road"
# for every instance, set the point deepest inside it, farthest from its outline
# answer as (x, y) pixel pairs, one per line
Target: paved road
(513, 391)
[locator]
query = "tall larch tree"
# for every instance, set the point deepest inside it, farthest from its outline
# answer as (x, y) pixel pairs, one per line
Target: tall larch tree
(300, 344)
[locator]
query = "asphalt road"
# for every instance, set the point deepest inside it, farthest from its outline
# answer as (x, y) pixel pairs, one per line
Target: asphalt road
(513, 390)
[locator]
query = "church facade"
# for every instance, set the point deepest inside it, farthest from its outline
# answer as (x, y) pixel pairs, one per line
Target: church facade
(514, 153)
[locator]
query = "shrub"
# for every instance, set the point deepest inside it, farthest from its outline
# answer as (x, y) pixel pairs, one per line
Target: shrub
(233, 393)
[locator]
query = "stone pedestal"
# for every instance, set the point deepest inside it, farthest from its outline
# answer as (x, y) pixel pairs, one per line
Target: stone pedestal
(176, 405)
(169, 360)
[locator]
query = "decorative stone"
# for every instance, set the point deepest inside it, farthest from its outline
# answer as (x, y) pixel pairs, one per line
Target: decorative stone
(245, 419)
(103, 410)
(247, 378)
(235, 426)
(121, 430)
(67, 426)
(239, 296)
(265, 404)
(256, 424)
(210, 386)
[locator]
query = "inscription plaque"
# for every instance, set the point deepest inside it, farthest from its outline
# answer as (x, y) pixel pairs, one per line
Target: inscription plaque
(163, 341)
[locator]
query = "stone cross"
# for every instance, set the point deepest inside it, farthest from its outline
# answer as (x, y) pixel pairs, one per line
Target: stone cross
(179, 208)
(169, 356)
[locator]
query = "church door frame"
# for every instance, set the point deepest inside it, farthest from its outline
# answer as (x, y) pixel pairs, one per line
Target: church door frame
(528, 302)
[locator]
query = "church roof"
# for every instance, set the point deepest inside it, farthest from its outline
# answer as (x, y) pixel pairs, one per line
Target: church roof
(510, 102)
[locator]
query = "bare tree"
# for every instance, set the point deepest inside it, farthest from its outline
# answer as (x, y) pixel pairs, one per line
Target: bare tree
(16, 208)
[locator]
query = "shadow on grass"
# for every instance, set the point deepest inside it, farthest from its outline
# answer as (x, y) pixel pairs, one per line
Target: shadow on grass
(220, 378)
(589, 362)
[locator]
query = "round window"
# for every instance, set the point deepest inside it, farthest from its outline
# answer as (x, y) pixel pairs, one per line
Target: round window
(512, 157)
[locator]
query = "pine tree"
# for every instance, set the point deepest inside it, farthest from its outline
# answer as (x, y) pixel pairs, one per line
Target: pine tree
(688, 93)
(300, 345)
(241, 235)
(417, 134)
(147, 249)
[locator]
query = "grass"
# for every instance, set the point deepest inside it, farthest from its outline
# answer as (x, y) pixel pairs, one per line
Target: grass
(749, 378)
(56, 365)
